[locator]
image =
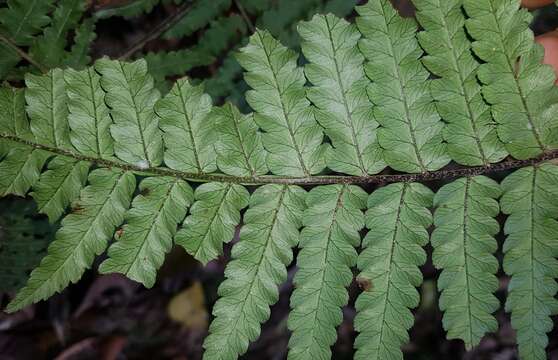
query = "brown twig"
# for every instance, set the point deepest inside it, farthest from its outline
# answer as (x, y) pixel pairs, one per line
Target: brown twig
(286, 180)
(22, 53)
(157, 31)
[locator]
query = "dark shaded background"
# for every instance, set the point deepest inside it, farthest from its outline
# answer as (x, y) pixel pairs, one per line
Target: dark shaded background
(110, 317)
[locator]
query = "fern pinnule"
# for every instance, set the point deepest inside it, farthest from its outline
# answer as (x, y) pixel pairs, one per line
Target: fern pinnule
(470, 131)
(291, 135)
(258, 266)
(463, 241)
(332, 222)
(339, 93)
(393, 251)
(519, 88)
(530, 199)
(411, 130)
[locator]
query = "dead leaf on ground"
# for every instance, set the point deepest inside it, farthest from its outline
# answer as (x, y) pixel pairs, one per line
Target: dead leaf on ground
(188, 308)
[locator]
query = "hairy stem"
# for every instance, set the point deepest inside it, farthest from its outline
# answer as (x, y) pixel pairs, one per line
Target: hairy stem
(447, 173)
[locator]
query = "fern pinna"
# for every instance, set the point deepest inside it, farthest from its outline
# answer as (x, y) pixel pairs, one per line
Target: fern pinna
(104, 146)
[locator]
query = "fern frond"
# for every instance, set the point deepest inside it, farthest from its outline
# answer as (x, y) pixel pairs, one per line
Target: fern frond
(150, 226)
(131, 97)
(212, 220)
(518, 86)
(470, 131)
(332, 223)
(339, 93)
(187, 130)
(258, 266)
(22, 19)
(463, 242)
(59, 185)
(89, 119)
(49, 47)
(531, 201)
(239, 149)
(78, 57)
(292, 137)
(47, 108)
(84, 234)
(398, 217)
(411, 130)
(21, 165)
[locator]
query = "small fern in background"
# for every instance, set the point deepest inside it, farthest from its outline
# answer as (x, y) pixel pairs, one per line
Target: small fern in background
(130, 171)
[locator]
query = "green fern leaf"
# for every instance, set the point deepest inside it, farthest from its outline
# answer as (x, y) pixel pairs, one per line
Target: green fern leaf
(47, 108)
(292, 137)
(411, 130)
(150, 226)
(398, 217)
(470, 131)
(78, 57)
(22, 19)
(84, 234)
(463, 244)
(518, 86)
(258, 266)
(131, 97)
(212, 220)
(88, 118)
(239, 150)
(59, 185)
(20, 169)
(339, 93)
(331, 233)
(531, 201)
(21, 165)
(188, 135)
(49, 47)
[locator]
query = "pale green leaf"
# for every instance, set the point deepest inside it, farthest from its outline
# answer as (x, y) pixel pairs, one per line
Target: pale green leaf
(150, 224)
(291, 134)
(518, 86)
(464, 245)
(83, 235)
(59, 185)
(131, 96)
(411, 130)
(470, 131)
(47, 108)
(239, 149)
(257, 268)
(187, 128)
(212, 219)
(398, 218)
(339, 93)
(531, 202)
(332, 223)
(88, 118)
